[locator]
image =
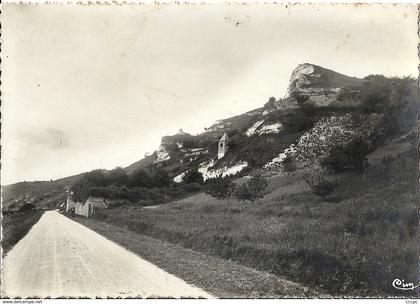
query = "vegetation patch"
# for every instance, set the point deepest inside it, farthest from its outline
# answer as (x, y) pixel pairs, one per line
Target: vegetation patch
(346, 243)
(16, 224)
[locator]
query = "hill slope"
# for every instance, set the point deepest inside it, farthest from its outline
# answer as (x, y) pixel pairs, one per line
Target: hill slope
(258, 139)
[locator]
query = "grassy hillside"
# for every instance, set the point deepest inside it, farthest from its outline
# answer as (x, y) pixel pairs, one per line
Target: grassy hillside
(349, 242)
(42, 194)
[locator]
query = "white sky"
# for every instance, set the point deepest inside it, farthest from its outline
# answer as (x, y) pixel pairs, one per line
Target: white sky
(87, 87)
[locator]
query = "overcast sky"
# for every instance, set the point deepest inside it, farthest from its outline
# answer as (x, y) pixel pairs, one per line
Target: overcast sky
(87, 87)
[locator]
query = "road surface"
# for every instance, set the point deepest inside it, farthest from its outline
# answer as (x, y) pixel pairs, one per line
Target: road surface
(61, 258)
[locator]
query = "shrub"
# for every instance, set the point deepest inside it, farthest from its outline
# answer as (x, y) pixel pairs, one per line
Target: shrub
(26, 207)
(300, 99)
(220, 187)
(298, 120)
(270, 103)
(157, 177)
(192, 187)
(336, 161)
(317, 181)
(289, 164)
(252, 190)
(349, 94)
(356, 151)
(193, 176)
(188, 144)
(349, 156)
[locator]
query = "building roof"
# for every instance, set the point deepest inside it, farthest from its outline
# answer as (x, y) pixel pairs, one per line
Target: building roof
(98, 202)
(224, 137)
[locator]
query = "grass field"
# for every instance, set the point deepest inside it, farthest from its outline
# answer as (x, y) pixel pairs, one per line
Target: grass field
(355, 241)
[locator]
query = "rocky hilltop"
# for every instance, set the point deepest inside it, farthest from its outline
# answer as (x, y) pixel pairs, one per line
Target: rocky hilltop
(316, 114)
(318, 85)
(310, 79)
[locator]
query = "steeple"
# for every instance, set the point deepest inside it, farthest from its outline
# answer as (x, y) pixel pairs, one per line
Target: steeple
(222, 146)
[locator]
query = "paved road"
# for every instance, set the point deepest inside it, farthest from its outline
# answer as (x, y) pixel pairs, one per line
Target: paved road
(60, 257)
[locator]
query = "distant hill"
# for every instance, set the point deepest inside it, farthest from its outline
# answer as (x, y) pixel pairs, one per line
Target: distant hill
(43, 194)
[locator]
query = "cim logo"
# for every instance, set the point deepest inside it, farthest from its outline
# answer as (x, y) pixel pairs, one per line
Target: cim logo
(402, 285)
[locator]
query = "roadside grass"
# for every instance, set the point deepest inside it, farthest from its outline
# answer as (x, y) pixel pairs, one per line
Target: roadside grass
(219, 277)
(15, 225)
(353, 242)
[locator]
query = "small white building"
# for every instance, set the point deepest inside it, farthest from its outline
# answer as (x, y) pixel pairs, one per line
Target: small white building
(222, 146)
(89, 207)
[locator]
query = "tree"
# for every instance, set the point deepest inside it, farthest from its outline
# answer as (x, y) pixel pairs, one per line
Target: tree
(81, 187)
(140, 178)
(96, 177)
(160, 178)
(117, 177)
(356, 150)
(270, 103)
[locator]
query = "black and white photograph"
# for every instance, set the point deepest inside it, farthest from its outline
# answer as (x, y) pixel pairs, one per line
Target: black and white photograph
(209, 151)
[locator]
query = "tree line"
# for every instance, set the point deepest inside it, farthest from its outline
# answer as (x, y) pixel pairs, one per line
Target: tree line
(141, 178)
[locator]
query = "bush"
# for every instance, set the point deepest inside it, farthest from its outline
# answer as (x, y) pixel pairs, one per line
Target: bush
(157, 177)
(336, 161)
(317, 181)
(26, 207)
(289, 164)
(298, 120)
(349, 94)
(300, 99)
(220, 187)
(140, 178)
(252, 190)
(193, 176)
(350, 156)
